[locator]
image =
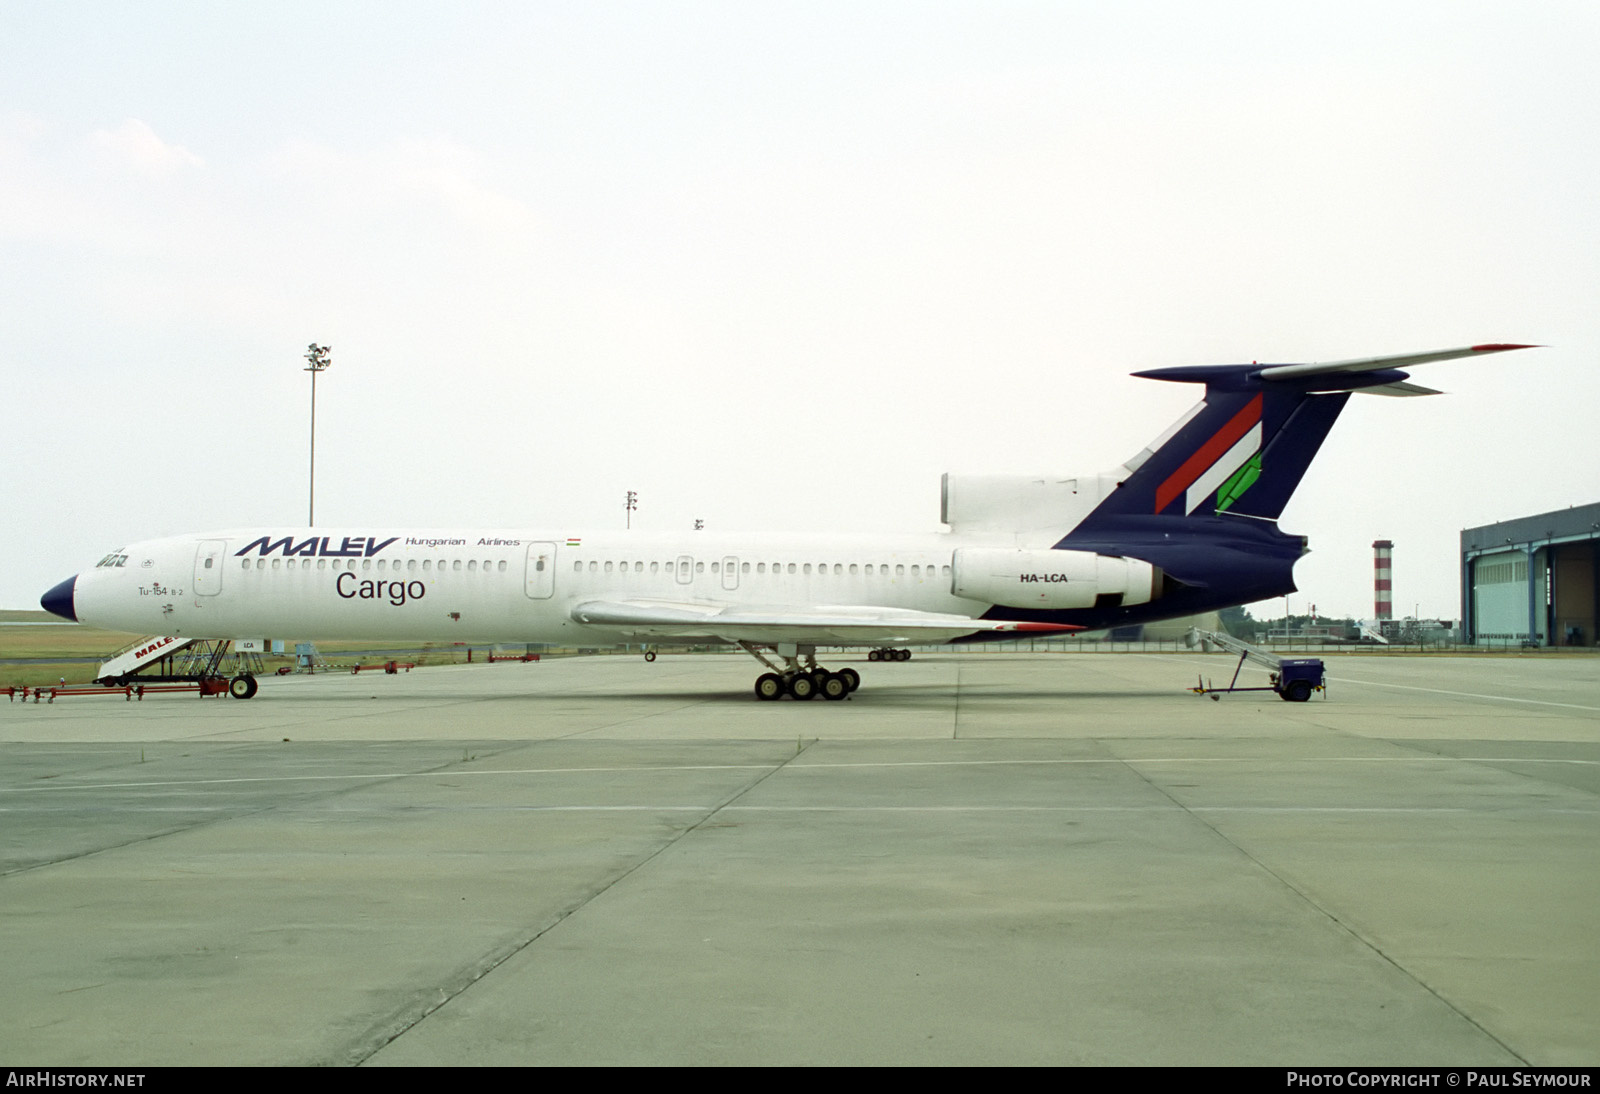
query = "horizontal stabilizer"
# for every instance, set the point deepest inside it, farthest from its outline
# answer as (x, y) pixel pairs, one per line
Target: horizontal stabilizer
(1378, 364)
(1400, 388)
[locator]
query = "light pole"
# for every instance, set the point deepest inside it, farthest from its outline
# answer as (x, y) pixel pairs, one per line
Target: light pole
(320, 358)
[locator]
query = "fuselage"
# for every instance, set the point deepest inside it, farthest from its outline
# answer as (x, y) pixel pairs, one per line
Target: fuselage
(491, 585)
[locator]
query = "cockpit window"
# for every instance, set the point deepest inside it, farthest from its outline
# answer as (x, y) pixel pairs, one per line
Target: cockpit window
(115, 558)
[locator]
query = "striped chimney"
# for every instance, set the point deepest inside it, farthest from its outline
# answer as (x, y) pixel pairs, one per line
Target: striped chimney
(1383, 582)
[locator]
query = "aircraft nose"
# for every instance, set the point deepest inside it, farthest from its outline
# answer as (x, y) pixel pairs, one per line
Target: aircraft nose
(58, 601)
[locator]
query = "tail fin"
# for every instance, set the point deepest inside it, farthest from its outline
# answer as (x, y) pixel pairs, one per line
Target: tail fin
(1244, 449)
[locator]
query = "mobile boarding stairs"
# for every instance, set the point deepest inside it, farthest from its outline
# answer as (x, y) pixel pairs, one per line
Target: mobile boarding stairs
(162, 659)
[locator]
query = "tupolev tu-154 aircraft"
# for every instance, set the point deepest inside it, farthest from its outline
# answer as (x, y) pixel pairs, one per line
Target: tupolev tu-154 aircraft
(1188, 525)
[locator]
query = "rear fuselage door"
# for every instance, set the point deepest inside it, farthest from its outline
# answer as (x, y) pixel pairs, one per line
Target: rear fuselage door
(541, 575)
(730, 573)
(208, 566)
(685, 569)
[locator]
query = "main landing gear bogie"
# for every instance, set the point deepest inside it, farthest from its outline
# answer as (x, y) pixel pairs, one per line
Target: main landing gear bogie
(806, 685)
(799, 676)
(888, 655)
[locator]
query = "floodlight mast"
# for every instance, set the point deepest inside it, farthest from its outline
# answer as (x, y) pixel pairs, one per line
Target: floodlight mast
(320, 357)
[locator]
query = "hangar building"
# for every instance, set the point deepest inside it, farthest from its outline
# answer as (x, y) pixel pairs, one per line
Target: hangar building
(1533, 580)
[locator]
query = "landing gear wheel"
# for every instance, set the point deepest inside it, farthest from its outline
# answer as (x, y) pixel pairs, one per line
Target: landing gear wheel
(874, 655)
(242, 686)
(802, 687)
(902, 655)
(769, 686)
(835, 686)
(852, 677)
(649, 655)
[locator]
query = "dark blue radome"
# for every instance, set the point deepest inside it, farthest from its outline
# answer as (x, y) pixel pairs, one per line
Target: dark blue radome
(58, 601)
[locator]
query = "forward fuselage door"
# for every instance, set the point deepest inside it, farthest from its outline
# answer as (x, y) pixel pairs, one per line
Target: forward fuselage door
(730, 573)
(541, 574)
(685, 569)
(208, 566)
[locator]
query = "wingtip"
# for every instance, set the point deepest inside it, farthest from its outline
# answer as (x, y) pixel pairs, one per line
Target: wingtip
(1498, 347)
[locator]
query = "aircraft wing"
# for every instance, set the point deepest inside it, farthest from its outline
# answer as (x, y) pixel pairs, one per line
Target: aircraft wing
(823, 625)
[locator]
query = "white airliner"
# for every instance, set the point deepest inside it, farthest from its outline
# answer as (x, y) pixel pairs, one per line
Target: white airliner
(1188, 525)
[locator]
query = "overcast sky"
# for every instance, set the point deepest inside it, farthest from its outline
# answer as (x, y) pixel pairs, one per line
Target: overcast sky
(779, 265)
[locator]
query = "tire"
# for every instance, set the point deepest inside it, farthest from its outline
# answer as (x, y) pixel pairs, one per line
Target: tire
(852, 677)
(874, 655)
(802, 687)
(649, 655)
(1299, 692)
(242, 687)
(770, 686)
(835, 686)
(902, 655)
